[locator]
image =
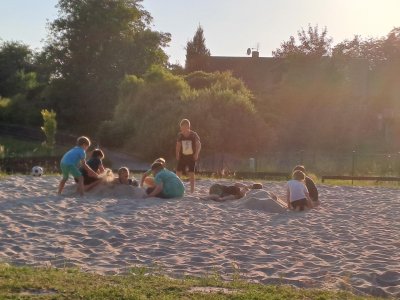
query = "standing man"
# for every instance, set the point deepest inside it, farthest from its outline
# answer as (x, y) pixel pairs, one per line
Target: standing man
(188, 147)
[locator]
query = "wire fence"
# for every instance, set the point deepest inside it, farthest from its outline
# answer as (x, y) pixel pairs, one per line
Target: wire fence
(320, 163)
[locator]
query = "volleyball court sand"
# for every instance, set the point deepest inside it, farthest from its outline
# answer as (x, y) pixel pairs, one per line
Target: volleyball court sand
(351, 242)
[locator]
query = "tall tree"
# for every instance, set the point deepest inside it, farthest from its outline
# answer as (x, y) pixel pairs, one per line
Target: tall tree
(312, 43)
(196, 52)
(15, 63)
(92, 45)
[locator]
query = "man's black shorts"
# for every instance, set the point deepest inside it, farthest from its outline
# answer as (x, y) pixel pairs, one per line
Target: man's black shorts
(186, 161)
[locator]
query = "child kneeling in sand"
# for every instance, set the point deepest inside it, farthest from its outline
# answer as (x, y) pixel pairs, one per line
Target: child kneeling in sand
(147, 179)
(96, 164)
(297, 196)
(167, 184)
(311, 187)
(219, 192)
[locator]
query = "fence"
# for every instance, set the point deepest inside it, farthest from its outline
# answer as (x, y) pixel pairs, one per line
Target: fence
(10, 165)
(278, 163)
(351, 163)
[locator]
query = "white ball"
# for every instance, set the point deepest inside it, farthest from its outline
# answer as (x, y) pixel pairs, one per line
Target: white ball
(37, 171)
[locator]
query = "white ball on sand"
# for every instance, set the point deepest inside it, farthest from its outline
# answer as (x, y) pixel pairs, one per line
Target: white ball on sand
(37, 171)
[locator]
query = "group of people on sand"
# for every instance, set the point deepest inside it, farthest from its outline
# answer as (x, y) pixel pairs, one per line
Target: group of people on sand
(160, 182)
(165, 184)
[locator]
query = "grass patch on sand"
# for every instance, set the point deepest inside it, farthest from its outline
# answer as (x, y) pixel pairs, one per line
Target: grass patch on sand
(51, 283)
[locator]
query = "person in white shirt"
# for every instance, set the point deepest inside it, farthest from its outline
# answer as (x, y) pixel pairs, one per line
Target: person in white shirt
(296, 193)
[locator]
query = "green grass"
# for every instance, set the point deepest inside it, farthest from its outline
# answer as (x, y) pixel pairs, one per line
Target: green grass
(51, 283)
(13, 147)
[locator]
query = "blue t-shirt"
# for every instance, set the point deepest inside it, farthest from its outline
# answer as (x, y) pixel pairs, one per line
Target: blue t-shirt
(73, 156)
(172, 185)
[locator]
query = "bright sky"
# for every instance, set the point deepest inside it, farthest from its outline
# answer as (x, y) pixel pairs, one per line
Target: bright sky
(230, 26)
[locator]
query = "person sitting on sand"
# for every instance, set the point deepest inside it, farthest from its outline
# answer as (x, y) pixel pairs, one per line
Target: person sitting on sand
(312, 189)
(96, 164)
(123, 177)
(147, 179)
(167, 183)
(220, 193)
(297, 196)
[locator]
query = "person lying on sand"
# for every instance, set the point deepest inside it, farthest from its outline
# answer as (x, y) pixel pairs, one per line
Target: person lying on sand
(220, 193)
(123, 177)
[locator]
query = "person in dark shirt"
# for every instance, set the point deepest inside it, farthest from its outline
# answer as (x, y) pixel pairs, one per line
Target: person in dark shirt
(219, 192)
(312, 189)
(96, 164)
(188, 147)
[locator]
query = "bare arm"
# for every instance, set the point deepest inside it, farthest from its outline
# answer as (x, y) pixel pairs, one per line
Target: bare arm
(88, 169)
(156, 191)
(101, 169)
(144, 176)
(178, 149)
(198, 148)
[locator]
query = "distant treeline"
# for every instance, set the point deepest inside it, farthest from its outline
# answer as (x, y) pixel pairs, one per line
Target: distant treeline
(104, 72)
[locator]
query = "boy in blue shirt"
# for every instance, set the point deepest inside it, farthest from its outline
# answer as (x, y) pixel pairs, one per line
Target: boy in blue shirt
(70, 164)
(167, 184)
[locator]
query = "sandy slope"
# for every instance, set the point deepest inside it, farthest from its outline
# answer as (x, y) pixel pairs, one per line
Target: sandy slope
(352, 241)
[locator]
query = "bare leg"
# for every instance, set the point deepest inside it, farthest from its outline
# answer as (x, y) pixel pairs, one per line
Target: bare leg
(191, 178)
(81, 188)
(61, 185)
(92, 185)
(214, 197)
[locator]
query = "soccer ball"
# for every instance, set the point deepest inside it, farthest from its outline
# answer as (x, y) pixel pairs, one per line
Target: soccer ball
(37, 171)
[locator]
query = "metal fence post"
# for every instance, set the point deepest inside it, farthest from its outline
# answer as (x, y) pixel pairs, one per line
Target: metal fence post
(301, 157)
(353, 166)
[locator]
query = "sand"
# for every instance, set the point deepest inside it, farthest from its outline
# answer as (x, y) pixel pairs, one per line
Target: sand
(350, 242)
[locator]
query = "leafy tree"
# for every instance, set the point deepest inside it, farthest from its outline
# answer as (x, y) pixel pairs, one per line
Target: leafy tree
(92, 45)
(222, 112)
(371, 50)
(196, 52)
(312, 44)
(15, 68)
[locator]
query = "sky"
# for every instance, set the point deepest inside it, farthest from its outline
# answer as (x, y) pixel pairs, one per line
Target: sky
(230, 26)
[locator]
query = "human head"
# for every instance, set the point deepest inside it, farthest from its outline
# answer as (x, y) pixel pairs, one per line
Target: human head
(97, 153)
(123, 171)
(256, 186)
(300, 168)
(298, 175)
(83, 142)
(156, 167)
(185, 125)
(160, 160)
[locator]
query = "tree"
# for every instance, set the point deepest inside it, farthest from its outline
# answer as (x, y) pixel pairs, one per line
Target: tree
(92, 45)
(222, 111)
(312, 44)
(196, 52)
(15, 66)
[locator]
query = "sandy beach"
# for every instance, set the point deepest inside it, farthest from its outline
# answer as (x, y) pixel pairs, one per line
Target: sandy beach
(352, 241)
